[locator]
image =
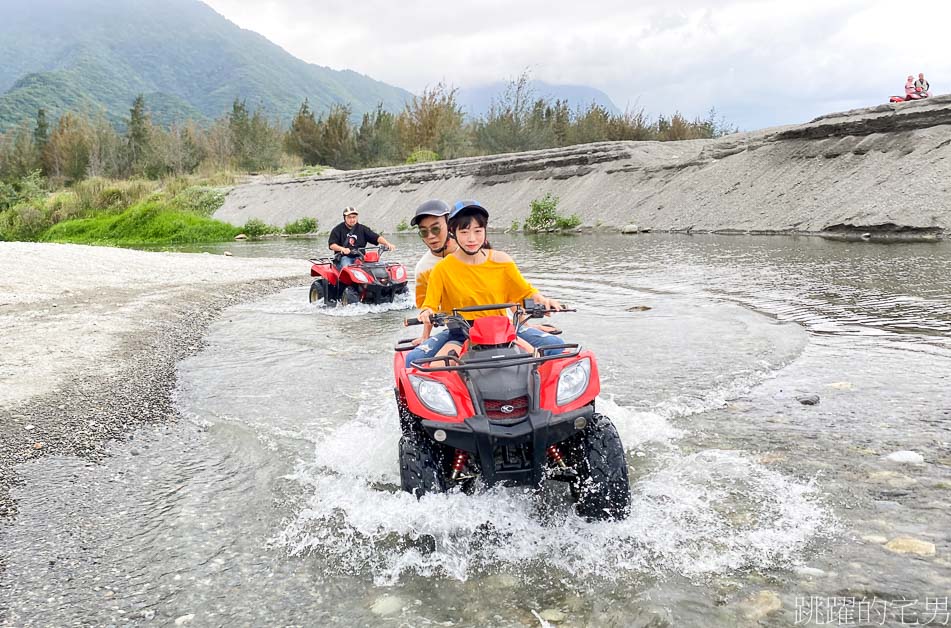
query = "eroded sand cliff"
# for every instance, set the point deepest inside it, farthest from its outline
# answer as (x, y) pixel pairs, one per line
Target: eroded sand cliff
(884, 170)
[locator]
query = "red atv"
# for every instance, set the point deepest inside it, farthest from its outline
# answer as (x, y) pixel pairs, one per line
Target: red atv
(367, 280)
(500, 414)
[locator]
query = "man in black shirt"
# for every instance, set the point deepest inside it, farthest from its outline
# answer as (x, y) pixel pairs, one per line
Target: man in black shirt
(350, 235)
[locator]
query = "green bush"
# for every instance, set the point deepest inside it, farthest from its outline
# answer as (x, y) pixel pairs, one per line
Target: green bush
(255, 228)
(301, 225)
(99, 194)
(23, 222)
(515, 226)
(545, 217)
(420, 156)
(402, 225)
(26, 189)
(148, 222)
(199, 199)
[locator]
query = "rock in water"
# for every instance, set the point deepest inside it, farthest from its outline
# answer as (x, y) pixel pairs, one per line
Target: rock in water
(761, 605)
(906, 545)
(906, 457)
(553, 615)
(629, 229)
(387, 605)
(808, 400)
(841, 385)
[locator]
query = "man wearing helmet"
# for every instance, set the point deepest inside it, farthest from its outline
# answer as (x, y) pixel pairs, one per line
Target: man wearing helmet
(350, 236)
(431, 223)
(475, 274)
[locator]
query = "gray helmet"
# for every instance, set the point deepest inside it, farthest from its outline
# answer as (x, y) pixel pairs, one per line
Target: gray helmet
(434, 207)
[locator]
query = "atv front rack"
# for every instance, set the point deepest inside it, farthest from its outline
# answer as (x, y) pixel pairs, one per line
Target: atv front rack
(454, 363)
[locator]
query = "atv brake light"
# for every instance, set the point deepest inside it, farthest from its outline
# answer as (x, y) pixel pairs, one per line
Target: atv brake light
(434, 395)
(573, 381)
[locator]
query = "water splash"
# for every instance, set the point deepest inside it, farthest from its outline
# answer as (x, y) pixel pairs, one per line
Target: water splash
(718, 510)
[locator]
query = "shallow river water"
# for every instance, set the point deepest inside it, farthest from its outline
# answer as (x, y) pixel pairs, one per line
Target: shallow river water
(276, 502)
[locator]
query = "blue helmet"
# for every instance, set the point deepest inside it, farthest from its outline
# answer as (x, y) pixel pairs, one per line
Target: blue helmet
(468, 207)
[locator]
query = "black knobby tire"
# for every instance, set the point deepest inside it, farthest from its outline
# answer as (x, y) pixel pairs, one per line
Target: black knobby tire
(422, 468)
(317, 291)
(602, 490)
(350, 295)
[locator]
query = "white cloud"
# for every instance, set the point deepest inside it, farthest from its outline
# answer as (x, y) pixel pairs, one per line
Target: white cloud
(757, 62)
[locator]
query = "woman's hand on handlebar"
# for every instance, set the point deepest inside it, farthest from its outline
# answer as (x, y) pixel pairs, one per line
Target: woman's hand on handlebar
(549, 304)
(425, 316)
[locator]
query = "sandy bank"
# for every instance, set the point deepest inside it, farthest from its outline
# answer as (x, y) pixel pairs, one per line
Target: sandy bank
(91, 336)
(882, 169)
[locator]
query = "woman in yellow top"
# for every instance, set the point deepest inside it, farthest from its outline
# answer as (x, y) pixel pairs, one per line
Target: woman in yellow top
(476, 274)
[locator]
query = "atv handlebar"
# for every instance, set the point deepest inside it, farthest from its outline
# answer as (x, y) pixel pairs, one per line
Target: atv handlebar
(522, 313)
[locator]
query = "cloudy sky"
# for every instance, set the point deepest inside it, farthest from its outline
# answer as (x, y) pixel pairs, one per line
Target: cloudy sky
(758, 63)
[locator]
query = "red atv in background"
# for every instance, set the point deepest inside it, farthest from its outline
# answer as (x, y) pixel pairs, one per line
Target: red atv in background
(367, 280)
(502, 415)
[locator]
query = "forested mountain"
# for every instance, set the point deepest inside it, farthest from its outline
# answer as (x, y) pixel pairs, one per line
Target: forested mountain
(188, 61)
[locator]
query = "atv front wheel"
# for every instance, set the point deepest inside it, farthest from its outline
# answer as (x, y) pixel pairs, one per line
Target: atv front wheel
(421, 466)
(350, 295)
(601, 490)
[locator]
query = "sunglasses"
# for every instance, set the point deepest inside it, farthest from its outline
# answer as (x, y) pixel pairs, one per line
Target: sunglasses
(424, 232)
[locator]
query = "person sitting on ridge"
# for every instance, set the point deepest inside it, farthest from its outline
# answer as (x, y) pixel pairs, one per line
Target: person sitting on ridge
(347, 238)
(910, 92)
(922, 87)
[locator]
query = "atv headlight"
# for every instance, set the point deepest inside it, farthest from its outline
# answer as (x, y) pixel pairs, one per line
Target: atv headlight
(573, 381)
(434, 395)
(360, 276)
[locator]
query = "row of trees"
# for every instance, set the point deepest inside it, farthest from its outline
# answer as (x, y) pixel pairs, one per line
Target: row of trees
(432, 126)
(80, 145)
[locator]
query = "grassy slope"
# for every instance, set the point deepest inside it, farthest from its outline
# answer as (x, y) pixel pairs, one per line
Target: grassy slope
(149, 222)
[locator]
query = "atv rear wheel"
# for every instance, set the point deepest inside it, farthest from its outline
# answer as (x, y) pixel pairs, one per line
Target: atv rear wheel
(317, 291)
(421, 465)
(601, 490)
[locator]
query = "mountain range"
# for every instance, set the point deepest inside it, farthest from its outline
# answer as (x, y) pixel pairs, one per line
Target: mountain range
(188, 61)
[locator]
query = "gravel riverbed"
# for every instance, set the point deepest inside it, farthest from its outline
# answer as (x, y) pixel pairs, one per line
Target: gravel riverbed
(91, 336)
